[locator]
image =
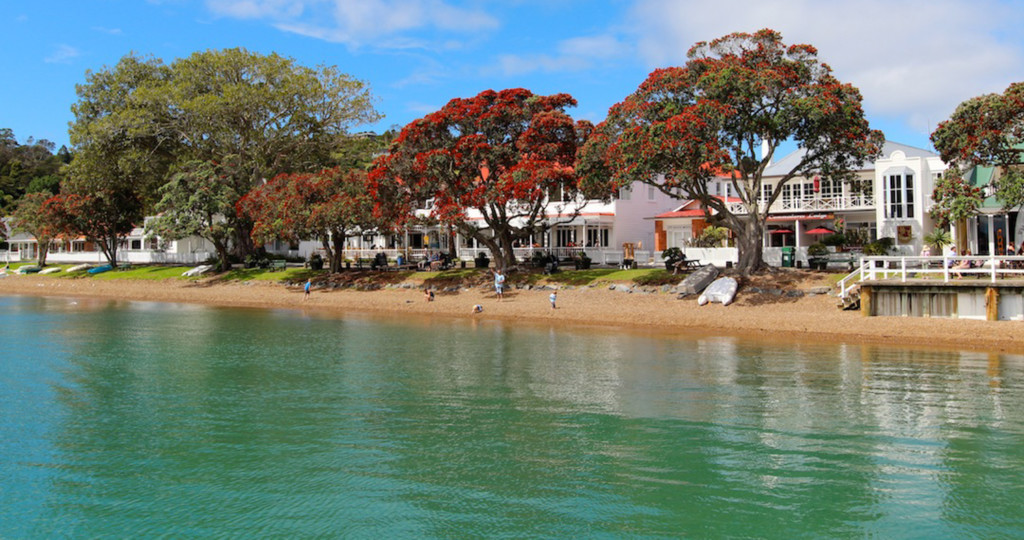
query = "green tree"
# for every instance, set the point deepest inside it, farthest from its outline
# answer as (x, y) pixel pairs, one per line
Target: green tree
(954, 201)
(269, 113)
(104, 216)
(25, 168)
(989, 130)
(686, 125)
(199, 200)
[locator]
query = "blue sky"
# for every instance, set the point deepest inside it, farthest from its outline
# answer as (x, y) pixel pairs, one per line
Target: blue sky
(914, 61)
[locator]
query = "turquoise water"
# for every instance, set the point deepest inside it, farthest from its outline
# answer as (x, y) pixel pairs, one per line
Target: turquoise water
(145, 419)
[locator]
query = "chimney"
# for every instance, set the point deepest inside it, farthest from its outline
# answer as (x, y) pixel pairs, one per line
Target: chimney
(765, 149)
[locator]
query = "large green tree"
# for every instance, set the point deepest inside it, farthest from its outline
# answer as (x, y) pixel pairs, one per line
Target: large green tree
(989, 130)
(496, 165)
(954, 201)
(685, 125)
(269, 113)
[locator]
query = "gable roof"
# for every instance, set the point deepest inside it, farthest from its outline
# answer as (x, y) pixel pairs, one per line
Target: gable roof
(786, 164)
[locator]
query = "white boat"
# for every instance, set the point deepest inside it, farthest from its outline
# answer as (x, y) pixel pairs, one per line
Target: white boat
(197, 271)
(721, 290)
(78, 268)
(52, 270)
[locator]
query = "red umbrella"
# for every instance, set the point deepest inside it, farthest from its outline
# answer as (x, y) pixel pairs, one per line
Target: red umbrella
(820, 230)
(781, 231)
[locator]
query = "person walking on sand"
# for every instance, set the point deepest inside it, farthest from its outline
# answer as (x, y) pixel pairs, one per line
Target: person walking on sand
(553, 297)
(309, 283)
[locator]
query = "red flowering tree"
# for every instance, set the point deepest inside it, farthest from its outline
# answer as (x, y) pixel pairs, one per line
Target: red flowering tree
(104, 217)
(955, 201)
(30, 218)
(496, 165)
(989, 130)
(685, 125)
(332, 205)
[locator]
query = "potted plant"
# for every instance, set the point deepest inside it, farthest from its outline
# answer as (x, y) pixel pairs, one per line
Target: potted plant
(482, 260)
(582, 261)
(316, 262)
(672, 255)
(817, 256)
(938, 239)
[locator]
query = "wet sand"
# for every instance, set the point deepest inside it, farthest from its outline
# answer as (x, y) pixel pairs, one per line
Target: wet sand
(753, 315)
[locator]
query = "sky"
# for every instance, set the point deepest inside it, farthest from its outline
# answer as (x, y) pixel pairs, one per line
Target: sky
(914, 61)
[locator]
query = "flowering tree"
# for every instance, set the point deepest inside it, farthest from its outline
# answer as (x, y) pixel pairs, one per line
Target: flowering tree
(506, 155)
(29, 217)
(332, 205)
(685, 125)
(955, 201)
(989, 130)
(104, 217)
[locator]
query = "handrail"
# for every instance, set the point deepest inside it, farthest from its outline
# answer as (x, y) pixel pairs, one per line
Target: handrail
(873, 268)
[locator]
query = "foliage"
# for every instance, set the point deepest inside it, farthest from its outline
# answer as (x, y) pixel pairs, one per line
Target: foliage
(989, 130)
(331, 205)
(30, 218)
(672, 254)
(711, 236)
(686, 125)
(104, 217)
(954, 199)
(26, 168)
(505, 155)
(198, 201)
(880, 247)
(834, 239)
(817, 249)
(938, 239)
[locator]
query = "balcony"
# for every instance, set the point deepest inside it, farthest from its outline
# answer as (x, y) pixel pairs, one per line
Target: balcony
(814, 204)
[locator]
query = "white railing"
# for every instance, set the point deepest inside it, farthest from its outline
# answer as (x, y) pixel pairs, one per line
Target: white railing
(948, 267)
(851, 202)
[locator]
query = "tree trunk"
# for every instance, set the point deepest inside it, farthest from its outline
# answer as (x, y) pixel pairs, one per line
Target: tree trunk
(749, 241)
(336, 253)
(222, 254)
(44, 249)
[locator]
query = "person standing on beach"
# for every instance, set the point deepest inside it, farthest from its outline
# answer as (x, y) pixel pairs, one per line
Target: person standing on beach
(499, 284)
(309, 283)
(553, 297)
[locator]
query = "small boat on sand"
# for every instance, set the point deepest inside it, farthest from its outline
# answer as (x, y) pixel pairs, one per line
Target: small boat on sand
(721, 290)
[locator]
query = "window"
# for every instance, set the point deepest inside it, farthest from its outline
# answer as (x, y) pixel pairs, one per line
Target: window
(787, 193)
(828, 188)
(625, 192)
(766, 193)
(597, 237)
(565, 236)
(650, 192)
(899, 194)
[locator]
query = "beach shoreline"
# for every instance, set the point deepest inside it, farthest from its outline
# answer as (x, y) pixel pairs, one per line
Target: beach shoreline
(758, 315)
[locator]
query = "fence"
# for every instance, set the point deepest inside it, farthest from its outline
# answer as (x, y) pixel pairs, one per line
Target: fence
(947, 267)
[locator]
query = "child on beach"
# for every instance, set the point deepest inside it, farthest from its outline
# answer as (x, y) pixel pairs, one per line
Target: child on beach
(478, 309)
(553, 297)
(309, 283)
(428, 295)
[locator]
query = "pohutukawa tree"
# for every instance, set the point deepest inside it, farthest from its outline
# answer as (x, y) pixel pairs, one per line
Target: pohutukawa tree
(989, 130)
(499, 166)
(955, 201)
(685, 125)
(332, 205)
(104, 217)
(30, 218)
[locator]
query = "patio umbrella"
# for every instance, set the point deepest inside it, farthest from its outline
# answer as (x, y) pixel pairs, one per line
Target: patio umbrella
(820, 230)
(782, 231)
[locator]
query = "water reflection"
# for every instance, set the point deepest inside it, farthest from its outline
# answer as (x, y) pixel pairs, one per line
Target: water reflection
(159, 419)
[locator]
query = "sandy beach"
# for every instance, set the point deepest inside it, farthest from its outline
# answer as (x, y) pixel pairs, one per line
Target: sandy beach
(757, 315)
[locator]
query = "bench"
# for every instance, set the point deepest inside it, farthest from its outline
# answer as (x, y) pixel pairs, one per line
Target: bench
(685, 265)
(278, 264)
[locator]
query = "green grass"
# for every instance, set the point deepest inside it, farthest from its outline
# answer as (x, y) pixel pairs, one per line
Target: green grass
(595, 275)
(147, 273)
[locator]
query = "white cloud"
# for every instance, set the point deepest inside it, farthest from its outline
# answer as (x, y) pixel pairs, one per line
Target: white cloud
(913, 59)
(377, 23)
(62, 54)
(574, 54)
(111, 31)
